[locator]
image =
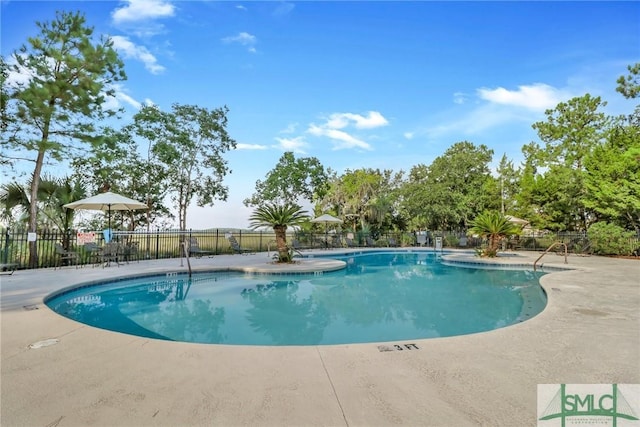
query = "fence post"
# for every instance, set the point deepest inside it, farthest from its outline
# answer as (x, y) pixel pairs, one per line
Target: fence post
(157, 244)
(5, 254)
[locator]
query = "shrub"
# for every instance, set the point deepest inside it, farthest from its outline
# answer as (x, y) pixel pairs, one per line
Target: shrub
(610, 239)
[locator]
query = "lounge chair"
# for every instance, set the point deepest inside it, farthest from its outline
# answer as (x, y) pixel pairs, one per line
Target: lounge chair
(64, 256)
(197, 251)
(392, 242)
(235, 246)
(8, 268)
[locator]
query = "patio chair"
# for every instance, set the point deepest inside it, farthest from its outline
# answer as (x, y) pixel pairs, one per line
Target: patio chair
(392, 242)
(369, 241)
(111, 252)
(94, 253)
(64, 256)
(197, 251)
(235, 246)
(130, 252)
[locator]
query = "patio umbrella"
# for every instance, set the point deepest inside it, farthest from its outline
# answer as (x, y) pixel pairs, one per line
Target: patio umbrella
(326, 219)
(107, 202)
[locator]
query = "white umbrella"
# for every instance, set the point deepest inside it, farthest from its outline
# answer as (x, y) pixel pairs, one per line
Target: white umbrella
(327, 219)
(107, 202)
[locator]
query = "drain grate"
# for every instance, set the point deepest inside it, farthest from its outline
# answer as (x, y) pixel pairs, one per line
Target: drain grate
(30, 307)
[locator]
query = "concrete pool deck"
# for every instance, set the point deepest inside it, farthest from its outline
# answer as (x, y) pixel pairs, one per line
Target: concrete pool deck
(588, 333)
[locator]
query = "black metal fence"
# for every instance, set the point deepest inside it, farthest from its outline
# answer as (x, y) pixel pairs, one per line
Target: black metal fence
(159, 244)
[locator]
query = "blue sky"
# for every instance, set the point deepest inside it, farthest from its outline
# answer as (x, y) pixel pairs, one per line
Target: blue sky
(369, 84)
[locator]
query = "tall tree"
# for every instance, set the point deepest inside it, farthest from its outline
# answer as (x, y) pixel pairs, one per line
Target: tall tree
(291, 181)
(453, 189)
(189, 142)
(363, 195)
(118, 166)
(612, 176)
(509, 185)
(569, 134)
(69, 76)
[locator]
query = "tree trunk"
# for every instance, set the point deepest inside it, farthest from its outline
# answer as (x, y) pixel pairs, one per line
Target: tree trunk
(281, 242)
(33, 209)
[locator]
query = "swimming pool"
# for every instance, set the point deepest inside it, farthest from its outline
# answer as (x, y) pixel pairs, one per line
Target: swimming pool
(378, 297)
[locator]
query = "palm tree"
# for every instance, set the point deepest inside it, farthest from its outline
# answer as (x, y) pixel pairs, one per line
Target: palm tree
(279, 217)
(494, 226)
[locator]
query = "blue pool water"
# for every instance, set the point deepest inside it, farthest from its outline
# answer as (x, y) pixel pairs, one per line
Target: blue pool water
(378, 297)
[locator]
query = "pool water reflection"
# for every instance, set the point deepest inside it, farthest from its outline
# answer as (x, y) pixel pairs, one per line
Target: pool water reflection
(379, 297)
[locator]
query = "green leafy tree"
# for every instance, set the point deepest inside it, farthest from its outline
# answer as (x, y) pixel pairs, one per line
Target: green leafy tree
(629, 86)
(569, 134)
(493, 226)
(290, 181)
(453, 189)
(612, 178)
(55, 193)
(70, 77)
(189, 143)
(15, 202)
(279, 217)
(367, 196)
(118, 166)
(610, 239)
(509, 183)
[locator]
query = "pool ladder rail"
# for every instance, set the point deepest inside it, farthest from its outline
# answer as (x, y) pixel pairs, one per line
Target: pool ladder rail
(185, 251)
(553, 245)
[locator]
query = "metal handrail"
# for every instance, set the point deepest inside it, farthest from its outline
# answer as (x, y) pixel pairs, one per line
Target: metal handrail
(548, 249)
(186, 255)
(269, 247)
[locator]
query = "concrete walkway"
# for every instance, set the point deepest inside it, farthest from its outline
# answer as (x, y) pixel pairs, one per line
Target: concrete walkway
(588, 333)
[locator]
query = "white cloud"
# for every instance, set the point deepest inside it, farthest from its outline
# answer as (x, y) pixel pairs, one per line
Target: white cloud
(337, 123)
(409, 135)
(244, 39)
(20, 77)
(459, 98)
(297, 144)
(131, 50)
(129, 100)
(538, 96)
(341, 139)
(291, 128)
(142, 10)
(241, 146)
(283, 9)
(341, 120)
(119, 99)
(241, 7)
